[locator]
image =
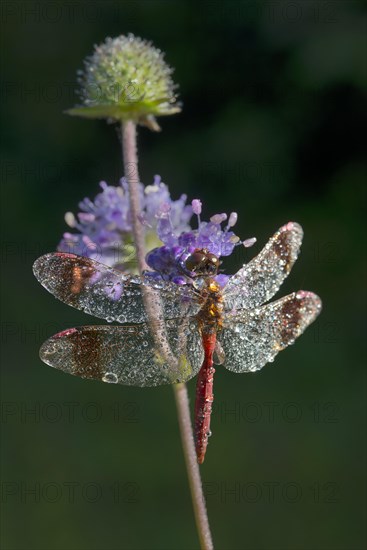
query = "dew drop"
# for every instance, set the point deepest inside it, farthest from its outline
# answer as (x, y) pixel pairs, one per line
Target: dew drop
(109, 319)
(50, 350)
(110, 378)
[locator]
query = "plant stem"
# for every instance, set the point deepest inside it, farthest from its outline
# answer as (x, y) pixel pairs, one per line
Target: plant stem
(192, 466)
(150, 297)
(130, 157)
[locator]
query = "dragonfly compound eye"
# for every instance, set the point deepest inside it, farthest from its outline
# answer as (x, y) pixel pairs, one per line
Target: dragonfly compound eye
(202, 262)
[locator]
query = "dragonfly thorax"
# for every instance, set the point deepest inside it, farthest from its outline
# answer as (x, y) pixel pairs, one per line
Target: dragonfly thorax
(210, 315)
(202, 262)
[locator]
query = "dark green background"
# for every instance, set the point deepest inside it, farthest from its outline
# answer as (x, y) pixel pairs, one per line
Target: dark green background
(273, 97)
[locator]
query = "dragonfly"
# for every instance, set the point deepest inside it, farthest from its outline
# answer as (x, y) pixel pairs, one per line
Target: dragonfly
(191, 329)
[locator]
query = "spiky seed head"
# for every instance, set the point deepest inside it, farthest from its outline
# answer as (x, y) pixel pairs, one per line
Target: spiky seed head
(126, 78)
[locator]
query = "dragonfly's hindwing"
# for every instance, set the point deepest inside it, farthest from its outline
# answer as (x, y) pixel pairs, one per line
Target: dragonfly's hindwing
(126, 354)
(252, 338)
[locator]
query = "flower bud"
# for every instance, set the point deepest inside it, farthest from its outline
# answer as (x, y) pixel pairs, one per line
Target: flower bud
(126, 78)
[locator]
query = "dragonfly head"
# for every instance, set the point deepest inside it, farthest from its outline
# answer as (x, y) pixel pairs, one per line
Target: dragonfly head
(202, 262)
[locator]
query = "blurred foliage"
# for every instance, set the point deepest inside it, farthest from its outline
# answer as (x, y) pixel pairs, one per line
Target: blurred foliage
(274, 107)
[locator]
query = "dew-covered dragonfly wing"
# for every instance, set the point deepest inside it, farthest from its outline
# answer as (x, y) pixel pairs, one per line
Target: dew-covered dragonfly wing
(252, 338)
(256, 282)
(108, 293)
(126, 354)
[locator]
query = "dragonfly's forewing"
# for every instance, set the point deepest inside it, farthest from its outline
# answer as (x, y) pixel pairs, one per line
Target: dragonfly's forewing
(126, 354)
(252, 338)
(258, 281)
(108, 293)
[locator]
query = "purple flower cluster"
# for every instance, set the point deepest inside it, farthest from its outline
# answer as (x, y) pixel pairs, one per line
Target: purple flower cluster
(104, 225)
(168, 261)
(104, 231)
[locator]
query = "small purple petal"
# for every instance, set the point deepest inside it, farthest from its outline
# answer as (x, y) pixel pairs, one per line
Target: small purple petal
(165, 208)
(196, 206)
(222, 279)
(86, 217)
(179, 280)
(249, 242)
(232, 219)
(218, 218)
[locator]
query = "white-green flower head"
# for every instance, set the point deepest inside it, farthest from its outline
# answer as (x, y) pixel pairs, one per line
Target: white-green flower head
(126, 78)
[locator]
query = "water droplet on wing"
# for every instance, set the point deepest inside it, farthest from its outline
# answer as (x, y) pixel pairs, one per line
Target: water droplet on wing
(110, 378)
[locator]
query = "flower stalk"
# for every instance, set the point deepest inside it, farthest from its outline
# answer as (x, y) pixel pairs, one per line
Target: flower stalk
(130, 158)
(192, 466)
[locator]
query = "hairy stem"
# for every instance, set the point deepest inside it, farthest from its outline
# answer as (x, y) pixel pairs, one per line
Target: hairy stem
(130, 157)
(150, 297)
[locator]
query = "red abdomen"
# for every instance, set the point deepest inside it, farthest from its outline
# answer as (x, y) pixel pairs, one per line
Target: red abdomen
(204, 397)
